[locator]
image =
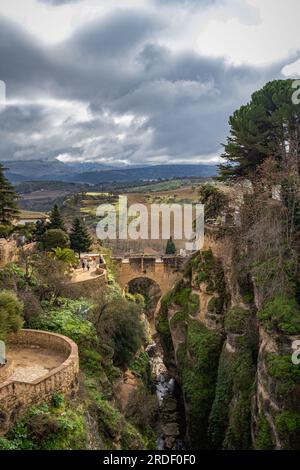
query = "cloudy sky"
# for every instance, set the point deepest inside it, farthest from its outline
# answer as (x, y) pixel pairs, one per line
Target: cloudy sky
(135, 81)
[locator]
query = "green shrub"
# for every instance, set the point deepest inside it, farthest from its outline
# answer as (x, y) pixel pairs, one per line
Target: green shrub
(131, 438)
(91, 360)
(13, 277)
(209, 270)
(11, 310)
(218, 419)
(236, 320)
(181, 296)
(264, 439)
(194, 304)
(6, 230)
(281, 313)
(287, 375)
(122, 327)
(214, 305)
(44, 427)
(6, 444)
(66, 255)
(163, 328)
(179, 319)
(215, 200)
(112, 424)
(238, 434)
(198, 361)
(141, 367)
(57, 400)
(230, 419)
(68, 321)
(288, 427)
(248, 297)
(54, 238)
(281, 367)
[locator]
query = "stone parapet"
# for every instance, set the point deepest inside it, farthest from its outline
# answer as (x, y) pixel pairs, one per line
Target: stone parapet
(16, 396)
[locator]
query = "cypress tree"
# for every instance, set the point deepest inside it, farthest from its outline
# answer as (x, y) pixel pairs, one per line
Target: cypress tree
(8, 206)
(170, 249)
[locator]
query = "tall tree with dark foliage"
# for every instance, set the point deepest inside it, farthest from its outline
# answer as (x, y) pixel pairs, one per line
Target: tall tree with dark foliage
(8, 197)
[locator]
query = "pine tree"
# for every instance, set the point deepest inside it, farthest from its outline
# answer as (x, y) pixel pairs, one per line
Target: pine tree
(170, 249)
(56, 220)
(79, 237)
(40, 229)
(8, 206)
(268, 126)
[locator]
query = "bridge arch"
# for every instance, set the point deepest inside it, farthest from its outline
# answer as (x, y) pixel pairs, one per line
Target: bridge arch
(149, 289)
(161, 270)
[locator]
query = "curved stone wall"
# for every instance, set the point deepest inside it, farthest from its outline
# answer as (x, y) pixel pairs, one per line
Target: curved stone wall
(6, 371)
(16, 396)
(90, 279)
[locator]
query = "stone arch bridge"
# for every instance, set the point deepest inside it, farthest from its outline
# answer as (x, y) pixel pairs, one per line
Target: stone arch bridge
(164, 270)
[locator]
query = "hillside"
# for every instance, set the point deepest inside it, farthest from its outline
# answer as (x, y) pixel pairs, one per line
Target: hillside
(146, 173)
(28, 170)
(95, 173)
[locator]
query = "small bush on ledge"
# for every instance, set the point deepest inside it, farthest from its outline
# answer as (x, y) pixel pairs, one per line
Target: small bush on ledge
(282, 314)
(282, 369)
(236, 320)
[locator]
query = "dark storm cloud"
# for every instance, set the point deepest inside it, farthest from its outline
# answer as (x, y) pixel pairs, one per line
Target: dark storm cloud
(117, 35)
(179, 102)
(20, 58)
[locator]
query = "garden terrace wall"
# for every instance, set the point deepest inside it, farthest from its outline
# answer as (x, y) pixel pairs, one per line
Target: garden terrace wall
(6, 371)
(16, 396)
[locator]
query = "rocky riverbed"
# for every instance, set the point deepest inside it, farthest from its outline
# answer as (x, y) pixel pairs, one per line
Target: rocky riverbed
(170, 430)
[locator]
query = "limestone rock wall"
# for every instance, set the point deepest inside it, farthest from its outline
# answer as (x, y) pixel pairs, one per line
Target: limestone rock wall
(8, 251)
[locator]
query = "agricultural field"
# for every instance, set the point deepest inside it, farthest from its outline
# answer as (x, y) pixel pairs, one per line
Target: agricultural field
(168, 185)
(170, 192)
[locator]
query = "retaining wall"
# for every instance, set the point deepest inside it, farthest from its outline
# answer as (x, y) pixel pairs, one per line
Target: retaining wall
(16, 397)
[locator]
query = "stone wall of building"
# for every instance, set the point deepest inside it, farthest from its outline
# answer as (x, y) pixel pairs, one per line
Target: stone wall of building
(16, 397)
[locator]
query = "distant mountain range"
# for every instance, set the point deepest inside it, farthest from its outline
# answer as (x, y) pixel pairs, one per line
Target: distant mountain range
(94, 173)
(147, 173)
(24, 170)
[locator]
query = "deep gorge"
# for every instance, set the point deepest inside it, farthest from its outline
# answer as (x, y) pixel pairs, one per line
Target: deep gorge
(239, 385)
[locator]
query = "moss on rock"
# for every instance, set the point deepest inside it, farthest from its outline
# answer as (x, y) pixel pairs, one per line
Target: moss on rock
(264, 439)
(236, 320)
(281, 314)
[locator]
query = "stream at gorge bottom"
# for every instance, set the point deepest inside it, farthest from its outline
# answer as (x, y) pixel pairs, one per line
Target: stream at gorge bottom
(171, 426)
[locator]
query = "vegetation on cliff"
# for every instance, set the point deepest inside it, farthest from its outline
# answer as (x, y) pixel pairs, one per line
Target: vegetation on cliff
(108, 343)
(199, 348)
(11, 310)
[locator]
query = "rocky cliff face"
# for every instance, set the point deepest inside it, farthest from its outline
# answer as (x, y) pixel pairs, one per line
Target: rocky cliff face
(240, 387)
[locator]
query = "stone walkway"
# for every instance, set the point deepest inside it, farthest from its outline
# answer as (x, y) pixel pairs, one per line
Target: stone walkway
(31, 363)
(80, 275)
